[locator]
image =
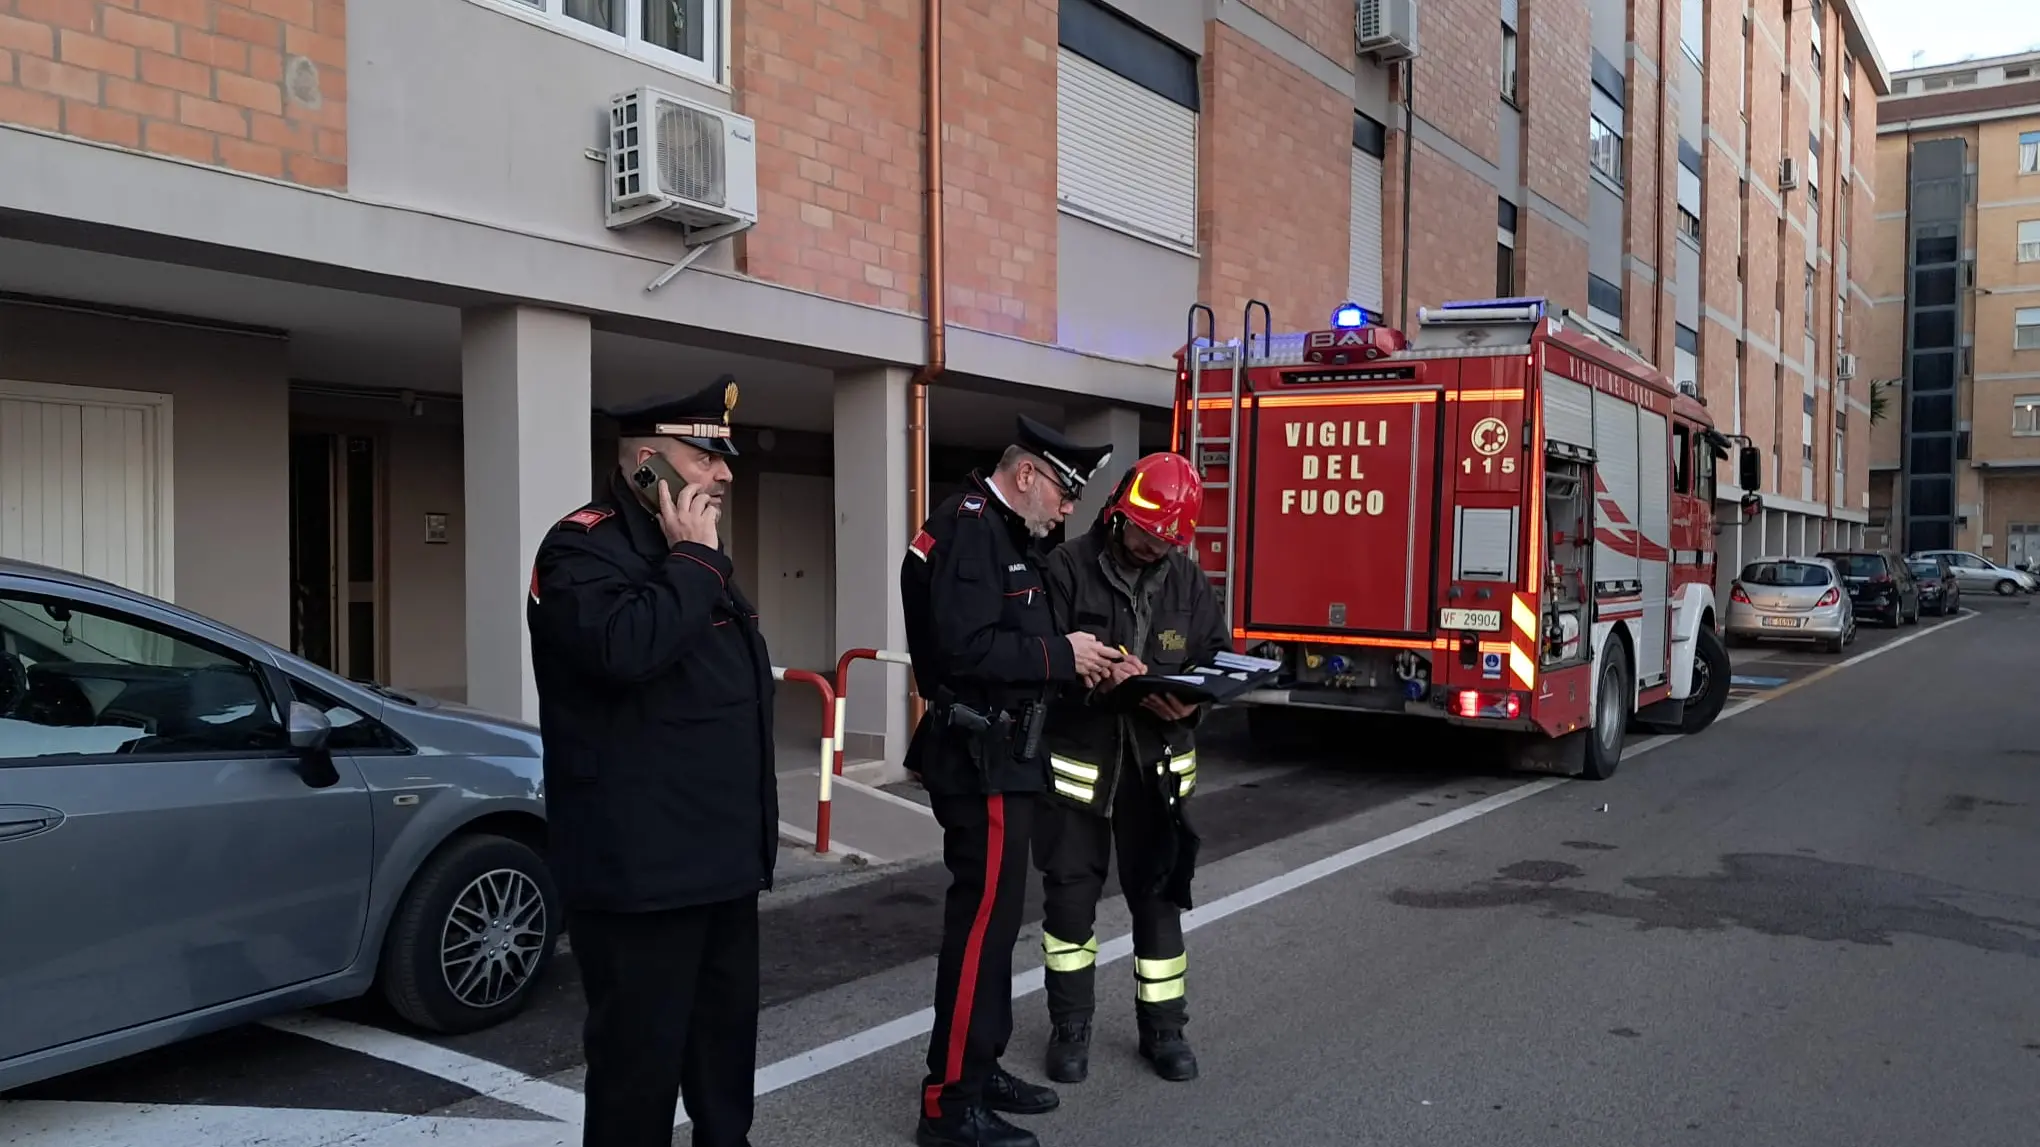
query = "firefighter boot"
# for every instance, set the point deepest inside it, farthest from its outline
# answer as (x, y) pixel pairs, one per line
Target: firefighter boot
(1163, 1046)
(1069, 1051)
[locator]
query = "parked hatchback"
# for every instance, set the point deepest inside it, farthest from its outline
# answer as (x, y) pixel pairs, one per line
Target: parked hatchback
(198, 829)
(1790, 599)
(1881, 584)
(1940, 589)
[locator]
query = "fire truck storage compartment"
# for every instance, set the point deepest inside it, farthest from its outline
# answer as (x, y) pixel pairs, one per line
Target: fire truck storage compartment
(1632, 519)
(1343, 510)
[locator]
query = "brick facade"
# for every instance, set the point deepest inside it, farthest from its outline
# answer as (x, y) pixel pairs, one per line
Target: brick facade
(835, 86)
(1459, 74)
(258, 86)
(1325, 25)
(1452, 240)
(1274, 185)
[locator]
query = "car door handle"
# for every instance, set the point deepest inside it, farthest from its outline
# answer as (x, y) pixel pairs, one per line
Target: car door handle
(17, 821)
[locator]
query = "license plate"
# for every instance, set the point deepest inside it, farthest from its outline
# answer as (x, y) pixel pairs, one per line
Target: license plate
(1783, 622)
(1484, 620)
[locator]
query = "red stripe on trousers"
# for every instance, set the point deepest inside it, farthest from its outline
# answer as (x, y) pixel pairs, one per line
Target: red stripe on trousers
(966, 981)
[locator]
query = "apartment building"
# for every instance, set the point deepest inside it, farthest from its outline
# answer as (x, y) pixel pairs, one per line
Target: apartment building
(1956, 347)
(307, 307)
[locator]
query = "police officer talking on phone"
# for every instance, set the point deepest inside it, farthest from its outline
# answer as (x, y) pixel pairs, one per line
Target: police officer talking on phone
(655, 707)
(987, 656)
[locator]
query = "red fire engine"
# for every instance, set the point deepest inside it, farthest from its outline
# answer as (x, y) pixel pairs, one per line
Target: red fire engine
(1505, 521)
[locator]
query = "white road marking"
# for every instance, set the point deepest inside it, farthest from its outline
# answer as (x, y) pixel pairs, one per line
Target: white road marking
(54, 1124)
(48, 1123)
(478, 1075)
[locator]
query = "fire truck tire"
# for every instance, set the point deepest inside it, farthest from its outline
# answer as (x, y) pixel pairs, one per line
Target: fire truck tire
(1711, 661)
(1611, 715)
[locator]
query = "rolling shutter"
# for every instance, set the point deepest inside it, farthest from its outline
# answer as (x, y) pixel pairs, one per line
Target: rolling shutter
(83, 483)
(1363, 269)
(1126, 157)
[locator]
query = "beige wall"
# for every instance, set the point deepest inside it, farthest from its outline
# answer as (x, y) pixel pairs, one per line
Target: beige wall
(230, 415)
(427, 627)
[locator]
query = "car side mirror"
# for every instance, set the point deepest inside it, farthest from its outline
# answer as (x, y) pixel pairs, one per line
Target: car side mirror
(1749, 468)
(309, 728)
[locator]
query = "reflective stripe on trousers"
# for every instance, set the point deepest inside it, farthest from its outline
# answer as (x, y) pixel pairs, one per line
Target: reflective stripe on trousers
(1060, 955)
(1157, 981)
(1184, 767)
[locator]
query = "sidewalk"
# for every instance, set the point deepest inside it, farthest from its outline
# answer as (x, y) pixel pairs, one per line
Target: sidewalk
(865, 823)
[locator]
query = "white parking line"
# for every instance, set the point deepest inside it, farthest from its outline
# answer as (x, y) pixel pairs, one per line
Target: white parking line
(478, 1075)
(56, 1124)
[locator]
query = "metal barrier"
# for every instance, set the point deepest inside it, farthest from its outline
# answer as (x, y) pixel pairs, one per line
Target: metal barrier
(832, 742)
(888, 656)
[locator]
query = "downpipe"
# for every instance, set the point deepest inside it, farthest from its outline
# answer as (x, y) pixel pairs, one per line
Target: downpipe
(935, 295)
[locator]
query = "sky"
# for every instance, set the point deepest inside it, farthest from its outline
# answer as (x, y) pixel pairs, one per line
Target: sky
(1944, 31)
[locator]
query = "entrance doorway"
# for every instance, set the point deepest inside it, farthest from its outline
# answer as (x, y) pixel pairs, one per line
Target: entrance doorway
(337, 567)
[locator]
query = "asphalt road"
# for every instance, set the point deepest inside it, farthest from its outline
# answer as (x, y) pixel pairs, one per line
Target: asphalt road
(1815, 923)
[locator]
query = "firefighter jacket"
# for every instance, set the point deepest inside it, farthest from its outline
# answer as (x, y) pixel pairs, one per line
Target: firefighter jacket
(984, 645)
(1167, 616)
(655, 710)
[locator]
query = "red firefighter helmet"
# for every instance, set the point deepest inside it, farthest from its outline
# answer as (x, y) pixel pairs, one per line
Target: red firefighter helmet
(1161, 495)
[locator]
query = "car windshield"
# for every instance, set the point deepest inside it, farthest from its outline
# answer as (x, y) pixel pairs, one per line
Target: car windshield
(1858, 565)
(1925, 569)
(1785, 574)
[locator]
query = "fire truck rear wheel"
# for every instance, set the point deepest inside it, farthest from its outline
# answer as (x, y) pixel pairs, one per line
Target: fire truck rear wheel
(1611, 715)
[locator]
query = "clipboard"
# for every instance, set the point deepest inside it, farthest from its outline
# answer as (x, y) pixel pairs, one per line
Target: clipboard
(1227, 676)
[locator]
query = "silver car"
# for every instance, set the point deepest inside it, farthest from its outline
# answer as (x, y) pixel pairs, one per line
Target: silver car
(198, 829)
(1979, 573)
(1791, 599)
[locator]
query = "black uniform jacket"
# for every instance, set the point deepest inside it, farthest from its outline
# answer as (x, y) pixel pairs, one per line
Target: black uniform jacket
(980, 634)
(1089, 738)
(655, 706)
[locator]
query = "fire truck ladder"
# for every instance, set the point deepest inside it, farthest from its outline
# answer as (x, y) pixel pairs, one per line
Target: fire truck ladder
(1211, 454)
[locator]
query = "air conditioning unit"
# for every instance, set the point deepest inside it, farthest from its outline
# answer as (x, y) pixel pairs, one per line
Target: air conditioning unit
(1845, 366)
(1788, 173)
(682, 161)
(1385, 29)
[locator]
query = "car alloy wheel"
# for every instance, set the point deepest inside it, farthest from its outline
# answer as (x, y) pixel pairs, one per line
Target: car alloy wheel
(492, 938)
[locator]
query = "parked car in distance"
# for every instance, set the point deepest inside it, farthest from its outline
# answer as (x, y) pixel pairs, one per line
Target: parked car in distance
(1790, 599)
(1880, 583)
(1940, 589)
(1979, 573)
(198, 830)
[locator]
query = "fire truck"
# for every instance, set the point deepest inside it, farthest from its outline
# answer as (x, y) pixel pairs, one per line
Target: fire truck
(1503, 520)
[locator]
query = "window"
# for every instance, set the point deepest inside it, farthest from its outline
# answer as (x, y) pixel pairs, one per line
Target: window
(2029, 241)
(1689, 191)
(1841, 450)
(2029, 153)
(1682, 459)
(1685, 358)
(683, 35)
(1693, 31)
(1126, 127)
(2026, 329)
(1810, 283)
(2026, 415)
(1364, 246)
(1704, 462)
(1511, 62)
(1604, 303)
(2019, 73)
(1604, 149)
(1505, 249)
(80, 681)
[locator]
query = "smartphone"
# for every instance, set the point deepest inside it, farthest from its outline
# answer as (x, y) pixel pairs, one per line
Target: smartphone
(646, 478)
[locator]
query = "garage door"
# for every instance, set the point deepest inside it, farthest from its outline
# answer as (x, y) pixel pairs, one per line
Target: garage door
(84, 482)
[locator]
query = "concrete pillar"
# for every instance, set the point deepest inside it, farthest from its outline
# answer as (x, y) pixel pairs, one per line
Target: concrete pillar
(525, 411)
(1118, 425)
(871, 540)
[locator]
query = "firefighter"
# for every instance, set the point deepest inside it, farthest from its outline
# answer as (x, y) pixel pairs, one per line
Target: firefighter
(985, 657)
(655, 708)
(1121, 774)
